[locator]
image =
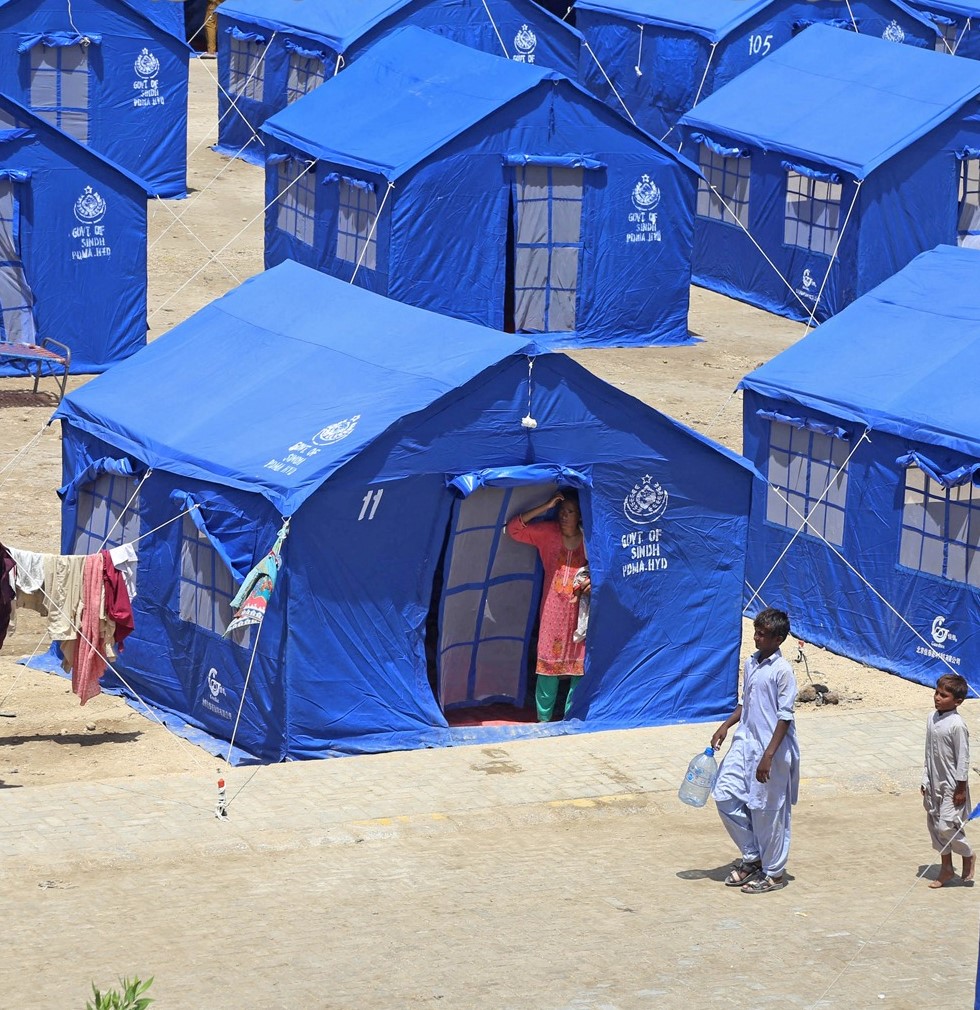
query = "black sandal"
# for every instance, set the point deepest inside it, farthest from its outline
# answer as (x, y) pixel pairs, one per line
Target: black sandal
(743, 870)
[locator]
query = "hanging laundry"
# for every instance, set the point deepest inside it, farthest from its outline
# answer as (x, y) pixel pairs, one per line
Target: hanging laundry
(7, 567)
(117, 604)
(89, 656)
(124, 558)
(252, 598)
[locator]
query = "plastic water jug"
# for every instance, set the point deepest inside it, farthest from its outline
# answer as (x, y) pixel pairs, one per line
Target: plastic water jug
(700, 777)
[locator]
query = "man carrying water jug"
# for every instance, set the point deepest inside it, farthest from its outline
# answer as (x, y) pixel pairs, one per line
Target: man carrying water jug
(759, 778)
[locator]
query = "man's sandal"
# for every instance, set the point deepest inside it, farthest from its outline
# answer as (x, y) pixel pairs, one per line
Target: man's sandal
(762, 885)
(743, 870)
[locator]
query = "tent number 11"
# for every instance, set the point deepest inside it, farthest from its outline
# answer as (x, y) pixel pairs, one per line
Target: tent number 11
(370, 504)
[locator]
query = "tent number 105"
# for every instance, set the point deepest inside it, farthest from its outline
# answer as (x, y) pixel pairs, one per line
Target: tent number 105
(370, 503)
(759, 45)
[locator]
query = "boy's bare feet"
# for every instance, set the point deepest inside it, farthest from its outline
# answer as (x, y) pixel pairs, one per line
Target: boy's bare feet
(945, 876)
(969, 862)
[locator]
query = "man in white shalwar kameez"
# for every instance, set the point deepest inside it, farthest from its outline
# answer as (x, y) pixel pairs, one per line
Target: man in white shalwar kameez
(759, 778)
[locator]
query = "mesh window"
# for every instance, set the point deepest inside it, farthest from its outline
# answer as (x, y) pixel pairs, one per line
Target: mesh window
(108, 514)
(724, 179)
(812, 218)
(296, 183)
(941, 528)
(206, 585)
(548, 245)
(305, 74)
(16, 299)
(968, 224)
(59, 87)
(356, 230)
(807, 478)
(245, 69)
(948, 37)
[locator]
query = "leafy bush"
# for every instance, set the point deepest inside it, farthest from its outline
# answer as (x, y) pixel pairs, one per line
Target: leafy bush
(131, 997)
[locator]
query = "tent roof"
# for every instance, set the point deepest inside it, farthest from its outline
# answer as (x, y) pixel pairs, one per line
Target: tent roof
(710, 18)
(339, 23)
(971, 9)
(838, 98)
(903, 358)
(433, 89)
(153, 12)
(273, 363)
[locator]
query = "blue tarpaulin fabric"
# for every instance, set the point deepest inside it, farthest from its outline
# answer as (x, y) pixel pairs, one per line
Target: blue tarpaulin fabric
(900, 362)
(377, 406)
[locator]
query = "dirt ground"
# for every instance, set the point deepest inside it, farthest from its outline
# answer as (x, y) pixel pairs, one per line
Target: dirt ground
(198, 249)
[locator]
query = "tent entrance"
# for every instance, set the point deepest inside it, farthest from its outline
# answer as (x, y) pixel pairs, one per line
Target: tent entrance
(16, 298)
(488, 601)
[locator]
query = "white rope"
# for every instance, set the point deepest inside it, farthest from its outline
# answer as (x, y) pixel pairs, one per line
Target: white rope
(959, 38)
(71, 21)
(826, 276)
(374, 225)
(602, 70)
(724, 407)
(124, 509)
(339, 65)
(495, 31)
(23, 450)
(248, 80)
(639, 53)
(853, 19)
(179, 219)
(697, 96)
(241, 703)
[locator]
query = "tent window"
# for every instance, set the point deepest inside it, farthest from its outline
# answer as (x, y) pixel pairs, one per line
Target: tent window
(108, 514)
(968, 227)
(807, 477)
(245, 68)
(206, 585)
(59, 87)
(724, 179)
(941, 528)
(358, 209)
(949, 35)
(305, 74)
(812, 213)
(547, 247)
(16, 299)
(296, 184)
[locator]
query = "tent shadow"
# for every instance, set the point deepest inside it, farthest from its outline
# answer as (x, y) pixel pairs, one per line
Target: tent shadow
(9, 785)
(80, 739)
(27, 398)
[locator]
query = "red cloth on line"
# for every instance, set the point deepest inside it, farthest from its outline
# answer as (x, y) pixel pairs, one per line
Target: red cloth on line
(117, 604)
(89, 664)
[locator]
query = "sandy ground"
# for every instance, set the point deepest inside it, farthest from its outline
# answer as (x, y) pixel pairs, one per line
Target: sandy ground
(199, 248)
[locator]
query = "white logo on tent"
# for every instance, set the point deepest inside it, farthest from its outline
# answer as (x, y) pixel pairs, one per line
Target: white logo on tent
(90, 208)
(524, 42)
(893, 33)
(335, 432)
(646, 502)
(646, 198)
(808, 281)
(940, 633)
(646, 195)
(147, 83)
(217, 691)
(147, 65)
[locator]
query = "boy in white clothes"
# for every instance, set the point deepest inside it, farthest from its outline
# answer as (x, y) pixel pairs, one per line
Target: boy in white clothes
(759, 778)
(945, 789)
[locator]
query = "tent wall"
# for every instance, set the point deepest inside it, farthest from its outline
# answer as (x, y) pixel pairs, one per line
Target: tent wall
(832, 606)
(677, 65)
(138, 119)
(88, 277)
(555, 46)
(443, 235)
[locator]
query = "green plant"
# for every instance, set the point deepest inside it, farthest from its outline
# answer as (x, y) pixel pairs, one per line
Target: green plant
(131, 997)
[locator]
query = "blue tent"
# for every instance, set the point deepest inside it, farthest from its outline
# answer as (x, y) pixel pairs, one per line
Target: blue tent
(105, 72)
(72, 244)
(397, 442)
(485, 189)
(659, 58)
(887, 567)
(958, 25)
(271, 52)
(882, 166)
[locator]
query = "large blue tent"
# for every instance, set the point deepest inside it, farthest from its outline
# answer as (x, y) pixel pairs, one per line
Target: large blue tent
(271, 52)
(108, 74)
(72, 244)
(490, 190)
(396, 442)
(869, 428)
(800, 213)
(659, 58)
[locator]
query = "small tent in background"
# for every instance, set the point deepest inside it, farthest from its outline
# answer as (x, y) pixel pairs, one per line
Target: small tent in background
(271, 52)
(397, 442)
(73, 241)
(489, 190)
(106, 73)
(659, 58)
(958, 25)
(882, 165)
(886, 568)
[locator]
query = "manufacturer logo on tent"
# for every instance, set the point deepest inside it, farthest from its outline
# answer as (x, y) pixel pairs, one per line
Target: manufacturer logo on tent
(147, 65)
(335, 432)
(525, 42)
(893, 33)
(90, 208)
(216, 691)
(646, 502)
(940, 633)
(808, 281)
(646, 195)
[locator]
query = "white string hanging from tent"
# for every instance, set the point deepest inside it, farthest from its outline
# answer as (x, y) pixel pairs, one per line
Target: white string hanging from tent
(24, 449)
(374, 225)
(179, 219)
(717, 416)
(853, 18)
(639, 54)
(495, 30)
(602, 69)
(248, 80)
(529, 421)
(959, 38)
(833, 257)
(339, 65)
(125, 509)
(697, 96)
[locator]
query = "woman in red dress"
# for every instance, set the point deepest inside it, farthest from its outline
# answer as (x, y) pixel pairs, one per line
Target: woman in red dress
(561, 547)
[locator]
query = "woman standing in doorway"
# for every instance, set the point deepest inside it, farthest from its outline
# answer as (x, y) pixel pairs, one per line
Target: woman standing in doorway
(561, 547)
